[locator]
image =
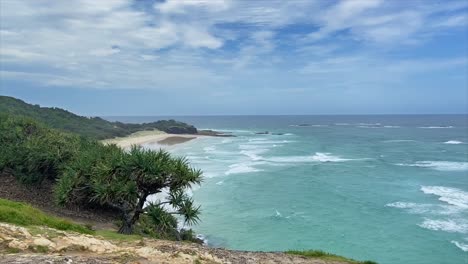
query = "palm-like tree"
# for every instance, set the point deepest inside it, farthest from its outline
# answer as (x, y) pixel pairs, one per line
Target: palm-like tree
(127, 179)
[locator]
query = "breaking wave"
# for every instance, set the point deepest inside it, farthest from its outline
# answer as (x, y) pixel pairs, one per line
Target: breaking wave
(452, 196)
(450, 225)
(460, 245)
(439, 165)
(453, 142)
(244, 167)
(455, 207)
(317, 157)
(436, 127)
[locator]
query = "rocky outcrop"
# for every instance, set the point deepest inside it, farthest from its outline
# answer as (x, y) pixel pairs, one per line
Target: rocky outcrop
(46, 245)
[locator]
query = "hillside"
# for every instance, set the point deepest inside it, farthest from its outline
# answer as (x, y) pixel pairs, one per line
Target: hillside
(94, 127)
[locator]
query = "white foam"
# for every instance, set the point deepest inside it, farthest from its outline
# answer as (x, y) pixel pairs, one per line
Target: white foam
(327, 157)
(210, 174)
(453, 142)
(202, 238)
(415, 208)
(257, 139)
(209, 149)
(265, 141)
(369, 126)
(317, 157)
(278, 214)
(220, 183)
(253, 155)
(448, 195)
(449, 225)
(460, 245)
(290, 159)
(439, 165)
(412, 207)
(241, 168)
(436, 127)
(253, 151)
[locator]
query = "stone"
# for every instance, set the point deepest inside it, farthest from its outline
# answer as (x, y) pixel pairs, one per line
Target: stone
(43, 242)
(18, 244)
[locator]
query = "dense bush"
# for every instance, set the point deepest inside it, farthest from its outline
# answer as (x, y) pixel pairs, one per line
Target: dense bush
(90, 174)
(33, 152)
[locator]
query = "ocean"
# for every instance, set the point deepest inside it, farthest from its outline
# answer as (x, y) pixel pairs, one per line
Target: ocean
(393, 189)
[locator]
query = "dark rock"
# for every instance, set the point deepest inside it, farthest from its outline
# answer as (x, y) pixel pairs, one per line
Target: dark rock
(214, 133)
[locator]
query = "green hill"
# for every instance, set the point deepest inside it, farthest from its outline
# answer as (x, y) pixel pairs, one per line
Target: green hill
(94, 127)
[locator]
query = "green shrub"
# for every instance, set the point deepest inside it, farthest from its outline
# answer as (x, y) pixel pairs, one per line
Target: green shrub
(33, 152)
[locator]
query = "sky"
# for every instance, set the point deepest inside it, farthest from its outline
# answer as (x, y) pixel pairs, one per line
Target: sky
(236, 57)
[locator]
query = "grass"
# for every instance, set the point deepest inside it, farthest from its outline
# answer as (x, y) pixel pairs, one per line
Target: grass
(25, 215)
(112, 235)
(326, 256)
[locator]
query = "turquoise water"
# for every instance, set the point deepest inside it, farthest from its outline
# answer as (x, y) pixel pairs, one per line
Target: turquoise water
(392, 189)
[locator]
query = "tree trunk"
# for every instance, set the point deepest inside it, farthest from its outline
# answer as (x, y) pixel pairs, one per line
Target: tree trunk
(126, 228)
(139, 208)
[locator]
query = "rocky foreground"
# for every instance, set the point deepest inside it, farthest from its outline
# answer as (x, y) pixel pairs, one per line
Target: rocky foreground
(45, 245)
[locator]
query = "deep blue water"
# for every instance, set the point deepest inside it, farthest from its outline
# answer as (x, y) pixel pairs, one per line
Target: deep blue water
(393, 189)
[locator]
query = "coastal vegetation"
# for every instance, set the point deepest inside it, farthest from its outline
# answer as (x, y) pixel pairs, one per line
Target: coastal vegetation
(90, 174)
(93, 127)
(319, 254)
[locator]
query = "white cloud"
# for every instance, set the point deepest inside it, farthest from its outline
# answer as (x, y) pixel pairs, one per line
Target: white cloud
(180, 6)
(192, 43)
(104, 52)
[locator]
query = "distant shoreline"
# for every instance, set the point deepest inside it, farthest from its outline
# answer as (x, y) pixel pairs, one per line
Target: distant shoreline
(154, 136)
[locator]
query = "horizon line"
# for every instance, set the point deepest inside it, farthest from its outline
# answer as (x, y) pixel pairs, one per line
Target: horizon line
(236, 115)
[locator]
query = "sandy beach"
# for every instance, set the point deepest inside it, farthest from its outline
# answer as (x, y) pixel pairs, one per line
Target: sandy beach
(151, 137)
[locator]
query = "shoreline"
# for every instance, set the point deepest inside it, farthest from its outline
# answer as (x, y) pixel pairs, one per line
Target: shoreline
(152, 137)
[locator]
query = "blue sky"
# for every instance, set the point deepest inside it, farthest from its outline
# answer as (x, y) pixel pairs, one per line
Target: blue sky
(212, 57)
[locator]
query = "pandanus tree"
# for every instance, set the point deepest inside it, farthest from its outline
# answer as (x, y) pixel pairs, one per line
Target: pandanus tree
(124, 181)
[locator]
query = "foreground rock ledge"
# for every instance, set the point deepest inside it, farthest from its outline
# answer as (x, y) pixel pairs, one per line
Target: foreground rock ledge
(18, 245)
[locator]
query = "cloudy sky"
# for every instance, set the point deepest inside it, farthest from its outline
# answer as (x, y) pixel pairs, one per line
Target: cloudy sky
(202, 57)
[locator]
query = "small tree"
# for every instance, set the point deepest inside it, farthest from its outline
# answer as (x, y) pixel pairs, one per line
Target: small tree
(124, 181)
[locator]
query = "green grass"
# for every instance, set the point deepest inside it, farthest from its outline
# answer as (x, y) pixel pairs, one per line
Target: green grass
(112, 235)
(25, 215)
(326, 256)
